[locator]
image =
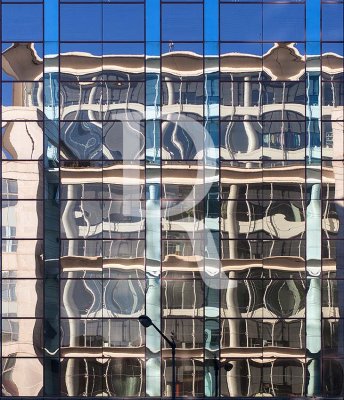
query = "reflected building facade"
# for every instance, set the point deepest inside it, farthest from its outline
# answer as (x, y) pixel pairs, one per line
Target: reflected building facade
(186, 169)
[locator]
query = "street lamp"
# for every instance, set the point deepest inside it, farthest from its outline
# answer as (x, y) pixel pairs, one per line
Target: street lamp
(146, 322)
(217, 365)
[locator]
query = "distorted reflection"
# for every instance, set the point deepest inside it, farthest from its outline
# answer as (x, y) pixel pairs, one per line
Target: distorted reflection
(127, 176)
(261, 377)
(102, 377)
(22, 219)
(91, 298)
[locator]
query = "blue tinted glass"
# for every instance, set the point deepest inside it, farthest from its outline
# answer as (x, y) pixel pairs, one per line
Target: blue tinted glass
(39, 49)
(283, 22)
(102, 1)
(81, 22)
(22, 22)
(263, 1)
(332, 22)
(7, 94)
(6, 46)
(152, 23)
(22, 1)
(51, 25)
(182, 22)
(123, 22)
(233, 17)
(313, 20)
(211, 22)
(238, 1)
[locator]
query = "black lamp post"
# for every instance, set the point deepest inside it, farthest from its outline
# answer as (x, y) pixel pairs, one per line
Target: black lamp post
(147, 322)
(217, 365)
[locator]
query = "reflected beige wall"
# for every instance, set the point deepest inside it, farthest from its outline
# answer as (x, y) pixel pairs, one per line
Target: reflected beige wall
(22, 255)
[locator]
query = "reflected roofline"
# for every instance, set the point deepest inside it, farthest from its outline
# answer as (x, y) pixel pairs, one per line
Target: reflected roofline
(283, 61)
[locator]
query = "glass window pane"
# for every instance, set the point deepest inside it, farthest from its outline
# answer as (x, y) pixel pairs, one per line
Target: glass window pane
(123, 22)
(22, 22)
(80, 22)
(233, 17)
(332, 22)
(22, 376)
(283, 22)
(182, 22)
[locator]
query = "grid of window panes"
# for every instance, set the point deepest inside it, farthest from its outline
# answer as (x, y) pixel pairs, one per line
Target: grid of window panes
(111, 203)
(332, 130)
(22, 198)
(181, 159)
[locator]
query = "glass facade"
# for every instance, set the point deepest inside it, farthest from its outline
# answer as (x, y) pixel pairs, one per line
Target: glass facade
(180, 159)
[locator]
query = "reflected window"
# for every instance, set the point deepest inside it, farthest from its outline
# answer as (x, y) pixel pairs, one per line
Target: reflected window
(9, 189)
(10, 331)
(179, 298)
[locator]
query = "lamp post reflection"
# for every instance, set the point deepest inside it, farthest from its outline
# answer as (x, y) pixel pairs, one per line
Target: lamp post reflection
(217, 364)
(146, 322)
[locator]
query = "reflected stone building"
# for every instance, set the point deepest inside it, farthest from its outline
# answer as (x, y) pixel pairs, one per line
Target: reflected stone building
(202, 186)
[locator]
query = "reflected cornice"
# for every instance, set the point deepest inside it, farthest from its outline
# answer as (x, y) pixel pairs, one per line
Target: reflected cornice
(128, 174)
(271, 353)
(282, 62)
(22, 62)
(189, 264)
(286, 173)
(83, 263)
(115, 174)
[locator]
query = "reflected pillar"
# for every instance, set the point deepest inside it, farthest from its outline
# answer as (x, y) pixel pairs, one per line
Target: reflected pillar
(153, 172)
(313, 299)
(313, 215)
(51, 202)
(338, 172)
(232, 305)
(211, 156)
(252, 137)
(153, 287)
